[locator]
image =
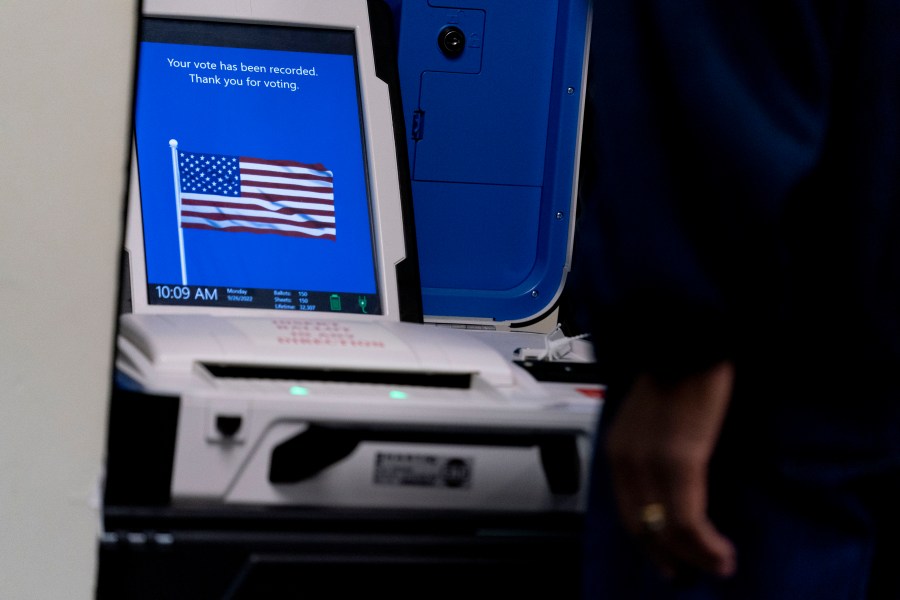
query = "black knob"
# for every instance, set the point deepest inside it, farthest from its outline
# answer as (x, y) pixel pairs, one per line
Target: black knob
(451, 41)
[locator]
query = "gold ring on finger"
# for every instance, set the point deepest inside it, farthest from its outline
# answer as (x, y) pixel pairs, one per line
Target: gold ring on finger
(653, 517)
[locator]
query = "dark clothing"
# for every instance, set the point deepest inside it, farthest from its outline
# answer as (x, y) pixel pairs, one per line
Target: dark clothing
(742, 202)
(821, 530)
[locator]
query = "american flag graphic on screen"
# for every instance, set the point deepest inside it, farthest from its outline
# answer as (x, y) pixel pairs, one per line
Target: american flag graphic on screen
(238, 193)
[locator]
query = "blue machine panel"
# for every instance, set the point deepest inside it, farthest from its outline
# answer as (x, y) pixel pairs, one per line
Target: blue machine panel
(492, 93)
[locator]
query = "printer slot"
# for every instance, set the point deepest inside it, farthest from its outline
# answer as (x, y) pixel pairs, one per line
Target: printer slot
(320, 446)
(421, 379)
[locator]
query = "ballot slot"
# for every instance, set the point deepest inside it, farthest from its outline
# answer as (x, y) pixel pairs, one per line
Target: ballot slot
(292, 373)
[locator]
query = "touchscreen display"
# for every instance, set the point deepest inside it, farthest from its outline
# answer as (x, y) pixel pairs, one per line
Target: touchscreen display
(251, 163)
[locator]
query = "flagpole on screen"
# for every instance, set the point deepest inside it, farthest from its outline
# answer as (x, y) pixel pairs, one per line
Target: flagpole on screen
(173, 144)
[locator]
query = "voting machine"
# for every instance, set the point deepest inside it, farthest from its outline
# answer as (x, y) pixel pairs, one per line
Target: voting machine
(289, 229)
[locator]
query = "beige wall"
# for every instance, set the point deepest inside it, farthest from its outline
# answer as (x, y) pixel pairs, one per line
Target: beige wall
(65, 83)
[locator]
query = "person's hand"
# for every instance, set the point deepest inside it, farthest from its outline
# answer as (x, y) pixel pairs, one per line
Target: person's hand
(659, 446)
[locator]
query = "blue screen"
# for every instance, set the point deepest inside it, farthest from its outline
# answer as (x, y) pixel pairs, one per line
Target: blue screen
(252, 168)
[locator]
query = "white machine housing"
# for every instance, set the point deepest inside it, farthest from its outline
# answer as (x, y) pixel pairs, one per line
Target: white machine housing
(480, 441)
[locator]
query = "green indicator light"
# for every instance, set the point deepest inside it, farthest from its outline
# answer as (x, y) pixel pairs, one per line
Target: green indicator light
(397, 395)
(299, 391)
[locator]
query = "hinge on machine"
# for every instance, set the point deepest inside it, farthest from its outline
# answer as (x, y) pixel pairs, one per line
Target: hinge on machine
(418, 124)
(472, 326)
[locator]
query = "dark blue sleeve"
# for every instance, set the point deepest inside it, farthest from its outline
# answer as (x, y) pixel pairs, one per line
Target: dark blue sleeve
(704, 119)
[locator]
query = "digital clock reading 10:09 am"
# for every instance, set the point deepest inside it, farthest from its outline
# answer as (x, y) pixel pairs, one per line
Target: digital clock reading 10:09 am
(183, 292)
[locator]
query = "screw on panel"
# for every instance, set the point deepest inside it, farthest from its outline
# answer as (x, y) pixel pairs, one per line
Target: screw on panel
(559, 216)
(570, 91)
(137, 538)
(534, 293)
